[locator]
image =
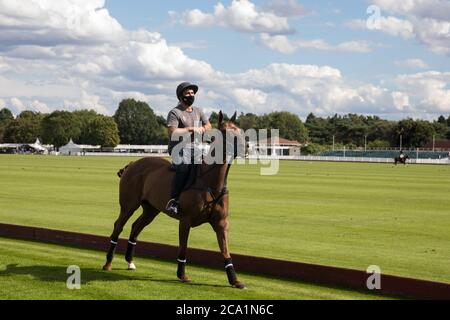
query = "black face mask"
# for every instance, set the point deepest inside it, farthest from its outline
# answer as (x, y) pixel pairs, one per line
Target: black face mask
(188, 100)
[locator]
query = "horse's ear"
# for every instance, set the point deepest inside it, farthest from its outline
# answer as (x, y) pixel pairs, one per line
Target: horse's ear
(233, 118)
(220, 117)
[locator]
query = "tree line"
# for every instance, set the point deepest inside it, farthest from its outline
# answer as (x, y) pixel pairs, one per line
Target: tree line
(134, 122)
(353, 130)
(350, 130)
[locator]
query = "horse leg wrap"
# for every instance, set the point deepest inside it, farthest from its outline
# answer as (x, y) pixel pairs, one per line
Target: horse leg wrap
(229, 268)
(181, 268)
(112, 250)
(130, 250)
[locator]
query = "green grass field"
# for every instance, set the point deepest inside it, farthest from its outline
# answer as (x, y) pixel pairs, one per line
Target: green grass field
(30, 270)
(342, 214)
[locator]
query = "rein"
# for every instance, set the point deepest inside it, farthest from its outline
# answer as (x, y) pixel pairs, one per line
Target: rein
(215, 194)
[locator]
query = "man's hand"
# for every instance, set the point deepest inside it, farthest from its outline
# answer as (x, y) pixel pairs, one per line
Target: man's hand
(200, 130)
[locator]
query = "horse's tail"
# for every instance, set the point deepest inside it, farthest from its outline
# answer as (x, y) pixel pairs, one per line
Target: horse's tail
(121, 171)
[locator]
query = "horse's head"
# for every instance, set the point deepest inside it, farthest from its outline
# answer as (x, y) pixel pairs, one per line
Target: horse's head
(233, 137)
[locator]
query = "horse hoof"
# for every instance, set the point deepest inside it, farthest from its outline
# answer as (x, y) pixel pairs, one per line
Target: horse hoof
(239, 285)
(107, 267)
(185, 279)
(131, 266)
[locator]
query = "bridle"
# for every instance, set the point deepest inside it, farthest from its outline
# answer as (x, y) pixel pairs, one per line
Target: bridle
(215, 194)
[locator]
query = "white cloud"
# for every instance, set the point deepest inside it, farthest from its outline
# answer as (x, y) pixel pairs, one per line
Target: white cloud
(17, 105)
(434, 9)
(278, 43)
(55, 64)
(433, 33)
(318, 44)
(10, 87)
(241, 15)
(396, 27)
(250, 98)
(287, 8)
(429, 90)
(355, 46)
(401, 100)
(425, 20)
(40, 107)
(270, 23)
(390, 25)
(283, 44)
(119, 95)
(196, 18)
(32, 52)
(116, 64)
(87, 101)
(3, 65)
(412, 64)
(301, 89)
(46, 22)
(158, 102)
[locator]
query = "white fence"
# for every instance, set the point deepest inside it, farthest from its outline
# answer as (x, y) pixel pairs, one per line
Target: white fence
(351, 159)
(431, 161)
(262, 157)
(124, 154)
(373, 160)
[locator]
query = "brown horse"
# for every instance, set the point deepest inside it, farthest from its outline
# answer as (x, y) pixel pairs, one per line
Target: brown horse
(147, 182)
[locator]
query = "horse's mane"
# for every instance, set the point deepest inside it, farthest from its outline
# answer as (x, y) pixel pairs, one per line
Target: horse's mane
(121, 171)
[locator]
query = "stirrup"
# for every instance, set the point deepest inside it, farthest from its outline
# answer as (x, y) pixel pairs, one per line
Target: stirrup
(172, 206)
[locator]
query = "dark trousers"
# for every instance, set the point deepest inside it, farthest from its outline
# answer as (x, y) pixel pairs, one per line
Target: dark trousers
(179, 180)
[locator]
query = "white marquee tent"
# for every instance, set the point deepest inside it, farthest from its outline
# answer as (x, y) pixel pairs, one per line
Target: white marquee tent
(35, 147)
(73, 149)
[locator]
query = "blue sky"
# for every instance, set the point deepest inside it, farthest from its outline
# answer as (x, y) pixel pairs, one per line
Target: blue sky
(232, 51)
(247, 55)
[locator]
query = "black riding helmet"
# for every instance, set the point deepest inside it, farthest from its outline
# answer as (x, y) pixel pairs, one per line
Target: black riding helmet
(183, 86)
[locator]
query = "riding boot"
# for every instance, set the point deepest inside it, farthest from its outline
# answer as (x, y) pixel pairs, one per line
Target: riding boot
(178, 182)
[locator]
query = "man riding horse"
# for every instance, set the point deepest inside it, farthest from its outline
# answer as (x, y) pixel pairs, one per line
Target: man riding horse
(184, 119)
(401, 158)
(151, 184)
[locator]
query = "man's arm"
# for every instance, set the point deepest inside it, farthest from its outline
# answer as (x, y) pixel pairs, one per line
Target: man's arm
(207, 126)
(173, 125)
(201, 129)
